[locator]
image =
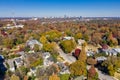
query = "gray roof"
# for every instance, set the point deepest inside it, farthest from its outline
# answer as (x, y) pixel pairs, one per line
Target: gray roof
(18, 60)
(102, 58)
(50, 59)
(32, 42)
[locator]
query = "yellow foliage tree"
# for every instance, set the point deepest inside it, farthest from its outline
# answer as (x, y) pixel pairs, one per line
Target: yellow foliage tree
(83, 56)
(43, 39)
(78, 68)
(14, 77)
(54, 77)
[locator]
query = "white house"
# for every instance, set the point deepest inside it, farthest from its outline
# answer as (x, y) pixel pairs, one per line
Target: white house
(68, 38)
(102, 58)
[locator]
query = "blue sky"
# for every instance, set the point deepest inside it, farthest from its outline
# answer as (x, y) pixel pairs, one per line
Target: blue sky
(41, 8)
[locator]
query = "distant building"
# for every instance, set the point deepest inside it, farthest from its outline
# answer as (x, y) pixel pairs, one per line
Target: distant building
(15, 25)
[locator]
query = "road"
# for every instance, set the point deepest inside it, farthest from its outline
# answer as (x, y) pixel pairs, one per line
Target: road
(68, 58)
(103, 76)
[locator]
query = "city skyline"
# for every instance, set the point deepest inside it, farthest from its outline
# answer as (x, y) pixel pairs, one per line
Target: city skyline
(59, 8)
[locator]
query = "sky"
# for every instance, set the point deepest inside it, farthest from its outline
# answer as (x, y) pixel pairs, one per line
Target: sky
(59, 8)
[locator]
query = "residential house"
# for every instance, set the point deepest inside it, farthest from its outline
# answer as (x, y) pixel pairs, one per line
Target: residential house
(68, 38)
(63, 68)
(46, 55)
(102, 58)
(117, 50)
(33, 70)
(48, 61)
(109, 52)
(32, 42)
(80, 42)
(18, 62)
(90, 53)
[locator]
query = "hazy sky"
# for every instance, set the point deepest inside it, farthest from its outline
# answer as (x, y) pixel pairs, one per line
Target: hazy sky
(40, 8)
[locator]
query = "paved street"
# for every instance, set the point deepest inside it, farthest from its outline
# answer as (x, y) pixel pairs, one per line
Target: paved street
(103, 76)
(68, 58)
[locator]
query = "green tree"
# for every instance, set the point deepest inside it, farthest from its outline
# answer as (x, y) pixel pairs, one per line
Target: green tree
(64, 76)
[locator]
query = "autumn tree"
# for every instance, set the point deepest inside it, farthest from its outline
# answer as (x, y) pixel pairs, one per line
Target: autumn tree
(83, 56)
(8, 42)
(111, 65)
(92, 74)
(54, 77)
(78, 68)
(85, 37)
(53, 35)
(14, 77)
(36, 48)
(49, 47)
(91, 61)
(78, 36)
(68, 45)
(43, 39)
(69, 32)
(111, 40)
